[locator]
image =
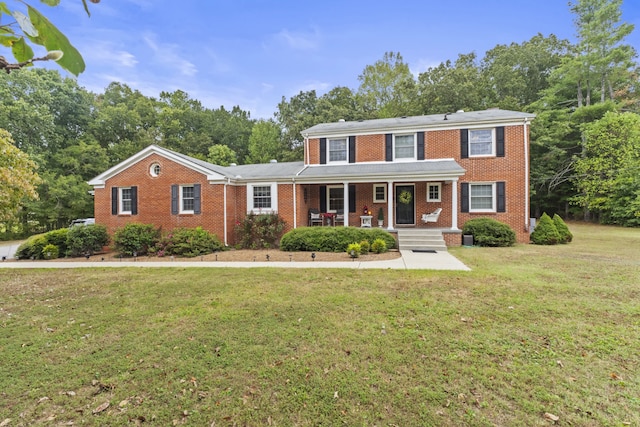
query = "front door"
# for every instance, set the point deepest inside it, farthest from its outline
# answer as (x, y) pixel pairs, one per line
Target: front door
(405, 205)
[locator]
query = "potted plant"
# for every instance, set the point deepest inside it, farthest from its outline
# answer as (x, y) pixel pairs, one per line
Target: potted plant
(380, 217)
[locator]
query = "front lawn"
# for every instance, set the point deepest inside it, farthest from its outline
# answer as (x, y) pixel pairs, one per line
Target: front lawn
(532, 334)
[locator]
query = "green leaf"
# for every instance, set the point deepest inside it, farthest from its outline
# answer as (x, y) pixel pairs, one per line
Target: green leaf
(86, 7)
(4, 9)
(25, 23)
(52, 39)
(8, 41)
(21, 50)
(50, 2)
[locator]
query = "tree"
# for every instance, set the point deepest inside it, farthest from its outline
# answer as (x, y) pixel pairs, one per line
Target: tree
(221, 155)
(18, 178)
(387, 87)
(265, 142)
(33, 27)
(610, 165)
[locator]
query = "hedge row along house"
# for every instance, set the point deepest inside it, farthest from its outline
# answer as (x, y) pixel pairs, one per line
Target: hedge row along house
(461, 165)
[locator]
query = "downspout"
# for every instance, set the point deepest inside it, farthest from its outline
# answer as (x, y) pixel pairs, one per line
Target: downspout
(295, 204)
(224, 211)
(526, 175)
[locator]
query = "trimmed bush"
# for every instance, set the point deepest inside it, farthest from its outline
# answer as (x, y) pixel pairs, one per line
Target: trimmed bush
(354, 250)
(379, 246)
(58, 238)
(86, 240)
(332, 239)
(50, 251)
(32, 247)
(189, 242)
(563, 230)
(259, 231)
(489, 232)
(365, 246)
(545, 232)
(135, 238)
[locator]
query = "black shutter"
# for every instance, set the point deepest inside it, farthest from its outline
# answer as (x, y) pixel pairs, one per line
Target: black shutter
(352, 149)
(323, 198)
(114, 200)
(420, 145)
(464, 197)
(196, 198)
(388, 147)
(134, 200)
(500, 141)
(352, 198)
(174, 200)
(500, 195)
(464, 143)
(323, 151)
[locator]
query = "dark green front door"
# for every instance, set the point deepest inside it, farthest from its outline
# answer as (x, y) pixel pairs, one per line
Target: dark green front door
(405, 205)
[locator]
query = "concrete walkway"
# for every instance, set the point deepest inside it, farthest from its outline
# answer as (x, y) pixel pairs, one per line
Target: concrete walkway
(408, 261)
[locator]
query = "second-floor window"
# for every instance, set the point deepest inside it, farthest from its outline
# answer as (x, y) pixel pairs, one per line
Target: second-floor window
(481, 142)
(338, 150)
(404, 147)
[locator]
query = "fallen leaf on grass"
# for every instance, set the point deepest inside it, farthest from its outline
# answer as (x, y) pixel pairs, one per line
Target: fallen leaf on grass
(101, 408)
(551, 417)
(5, 422)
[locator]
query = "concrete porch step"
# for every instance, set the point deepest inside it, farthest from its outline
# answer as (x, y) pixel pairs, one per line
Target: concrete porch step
(421, 239)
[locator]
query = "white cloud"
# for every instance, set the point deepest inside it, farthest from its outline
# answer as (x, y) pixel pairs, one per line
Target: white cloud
(167, 54)
(423, 65)
(298, 40)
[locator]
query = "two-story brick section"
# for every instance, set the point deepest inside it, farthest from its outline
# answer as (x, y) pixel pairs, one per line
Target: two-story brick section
(460, 165)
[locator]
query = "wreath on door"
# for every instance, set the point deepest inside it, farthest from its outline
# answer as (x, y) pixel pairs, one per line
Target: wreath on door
(405, 197)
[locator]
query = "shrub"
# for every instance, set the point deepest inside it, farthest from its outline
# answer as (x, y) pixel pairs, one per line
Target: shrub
(259, 231)
(32, 247)
(489, 232)
(379, 246)
(563, 230)
(135, 238)
(86, 239)
(189, 242)
(58, 238)
(545, 232)
(50, 251)
(354, 250)
(365, 246)
(332, 239)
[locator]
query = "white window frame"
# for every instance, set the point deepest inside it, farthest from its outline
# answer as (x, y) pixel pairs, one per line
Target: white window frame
(121, 200)
(274, 198)
(334, 187)
(183, 199)
(434, 184)
(415, 148)
(493, 142)
(346, 150)
(493, 197)
(375, 193)
(155, 169)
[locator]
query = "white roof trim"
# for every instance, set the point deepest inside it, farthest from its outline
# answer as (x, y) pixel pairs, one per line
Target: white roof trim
(100, 180)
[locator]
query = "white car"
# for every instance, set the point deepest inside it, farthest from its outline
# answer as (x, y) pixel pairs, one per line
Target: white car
(82, 221)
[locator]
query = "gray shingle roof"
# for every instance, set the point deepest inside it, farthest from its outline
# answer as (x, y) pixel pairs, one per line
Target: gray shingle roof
(491, 116)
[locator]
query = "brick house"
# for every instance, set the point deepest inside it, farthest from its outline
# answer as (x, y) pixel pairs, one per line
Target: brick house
(464, 164)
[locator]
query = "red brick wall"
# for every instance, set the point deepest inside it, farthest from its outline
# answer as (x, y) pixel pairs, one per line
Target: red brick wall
(154, 198)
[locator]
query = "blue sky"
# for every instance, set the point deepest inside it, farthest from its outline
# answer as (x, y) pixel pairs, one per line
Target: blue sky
(252, 53)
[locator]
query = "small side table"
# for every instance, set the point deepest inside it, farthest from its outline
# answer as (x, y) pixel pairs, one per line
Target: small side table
(365, 221)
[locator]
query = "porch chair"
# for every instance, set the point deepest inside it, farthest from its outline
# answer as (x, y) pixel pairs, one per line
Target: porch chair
(314, 217)
(431, 217)
(339, 217)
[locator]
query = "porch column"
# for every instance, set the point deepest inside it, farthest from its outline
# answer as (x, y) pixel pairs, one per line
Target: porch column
(390, 201)
(345, 205)
(454, 204)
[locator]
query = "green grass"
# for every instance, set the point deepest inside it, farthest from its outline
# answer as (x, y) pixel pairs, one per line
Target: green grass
(531, 330)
